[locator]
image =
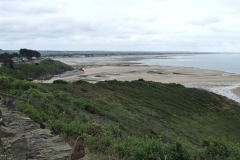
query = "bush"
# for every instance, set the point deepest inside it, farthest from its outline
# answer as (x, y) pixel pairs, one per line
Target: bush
(219, 150)
(176, 152)
(80, 82)
(216, 151)
(33, 113)
(5, 83)
(60, 82)
(29, 71)
(99, 144)
(149, 150)
(141, 80)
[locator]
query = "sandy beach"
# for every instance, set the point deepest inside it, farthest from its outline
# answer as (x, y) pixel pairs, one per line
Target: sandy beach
(236, 91)
(125, 68)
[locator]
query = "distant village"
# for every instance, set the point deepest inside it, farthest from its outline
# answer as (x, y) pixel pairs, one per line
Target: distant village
(23, 55)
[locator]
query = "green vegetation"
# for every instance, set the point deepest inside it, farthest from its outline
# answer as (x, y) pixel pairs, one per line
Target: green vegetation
(7, 59)
(43, 70)
(29, 54)
(135, 120)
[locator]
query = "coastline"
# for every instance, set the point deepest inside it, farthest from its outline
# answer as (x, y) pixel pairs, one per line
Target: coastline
(125, 68)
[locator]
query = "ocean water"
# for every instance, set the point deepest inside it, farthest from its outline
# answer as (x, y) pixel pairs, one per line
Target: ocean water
(228, 62)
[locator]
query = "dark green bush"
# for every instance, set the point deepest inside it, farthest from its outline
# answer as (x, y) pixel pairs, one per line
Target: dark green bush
(100, 144)
(219, 150)
(60, 82)
(80, 82)
(33, 113)
(177, 152)
(29, 71)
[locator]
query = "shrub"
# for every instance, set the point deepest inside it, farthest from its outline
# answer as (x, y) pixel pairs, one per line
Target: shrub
(80, 82)
(90, 109)
(60, 82)
(216, 151)
(33, 113)
(176, 152)
(99, 144)
(149, 150)
(29, 71)
(141, 80)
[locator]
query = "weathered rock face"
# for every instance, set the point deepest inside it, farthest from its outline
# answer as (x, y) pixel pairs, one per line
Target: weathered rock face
(24, 140)
(19, 148)
(78, 150)
(7, 132)
(11, 105)
(1, 123)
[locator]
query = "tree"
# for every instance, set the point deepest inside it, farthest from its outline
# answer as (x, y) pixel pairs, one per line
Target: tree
(29, 53)
(8, 62)
(6, 59)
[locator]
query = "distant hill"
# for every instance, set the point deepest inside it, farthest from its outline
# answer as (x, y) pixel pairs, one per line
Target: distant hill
(47, 53)
(44, 69)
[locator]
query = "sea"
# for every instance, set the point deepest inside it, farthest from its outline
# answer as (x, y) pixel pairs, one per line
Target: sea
(228, 62)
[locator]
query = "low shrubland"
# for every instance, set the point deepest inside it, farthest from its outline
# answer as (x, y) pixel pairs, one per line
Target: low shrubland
(134, 120)
(45, 69)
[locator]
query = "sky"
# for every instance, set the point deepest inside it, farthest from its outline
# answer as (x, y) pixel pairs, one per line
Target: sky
(121, 25)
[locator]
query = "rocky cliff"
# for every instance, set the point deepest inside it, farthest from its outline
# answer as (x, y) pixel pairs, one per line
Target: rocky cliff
(21, 139)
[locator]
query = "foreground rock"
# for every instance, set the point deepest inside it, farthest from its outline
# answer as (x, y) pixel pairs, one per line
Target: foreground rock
(23, 139)
(78, 152)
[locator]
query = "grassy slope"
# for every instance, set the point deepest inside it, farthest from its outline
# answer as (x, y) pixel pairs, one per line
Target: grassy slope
(45, 69)
(123, 118)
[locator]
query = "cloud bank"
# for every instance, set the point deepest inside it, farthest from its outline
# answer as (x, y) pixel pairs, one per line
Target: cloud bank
(146, 25)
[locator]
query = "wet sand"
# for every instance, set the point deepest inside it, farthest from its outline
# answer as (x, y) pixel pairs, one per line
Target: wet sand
(125, 68)
(237, 91)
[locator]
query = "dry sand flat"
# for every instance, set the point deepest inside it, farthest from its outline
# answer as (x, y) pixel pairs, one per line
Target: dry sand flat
(157, 73)
(106, 60)
(151, 73)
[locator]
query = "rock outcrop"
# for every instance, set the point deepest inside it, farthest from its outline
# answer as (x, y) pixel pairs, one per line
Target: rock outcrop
(1, 120)
(23, 139)
(78, 150)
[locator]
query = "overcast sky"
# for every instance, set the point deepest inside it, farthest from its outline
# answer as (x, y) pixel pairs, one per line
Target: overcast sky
(143, 25)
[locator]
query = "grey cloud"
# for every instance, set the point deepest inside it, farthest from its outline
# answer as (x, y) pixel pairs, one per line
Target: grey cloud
(80, 24)
(205, 21)
(25, 7)
(54, 27)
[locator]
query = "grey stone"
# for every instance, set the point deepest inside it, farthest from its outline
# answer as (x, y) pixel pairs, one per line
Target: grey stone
(78, 150)
(1, 119)
(23, 139)
(19, 148)
(7, 132)
(11, 105)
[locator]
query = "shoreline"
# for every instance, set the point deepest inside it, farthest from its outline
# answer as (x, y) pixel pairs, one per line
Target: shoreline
(124, 68)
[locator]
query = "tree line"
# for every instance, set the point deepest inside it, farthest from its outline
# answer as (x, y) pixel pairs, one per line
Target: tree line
(7, 58)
